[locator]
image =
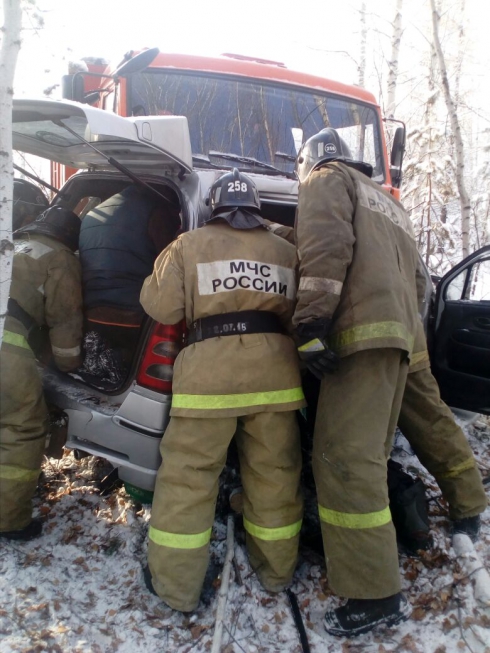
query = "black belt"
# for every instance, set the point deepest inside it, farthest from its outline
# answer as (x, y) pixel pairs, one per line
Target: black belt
(232, 324)
(16, 311)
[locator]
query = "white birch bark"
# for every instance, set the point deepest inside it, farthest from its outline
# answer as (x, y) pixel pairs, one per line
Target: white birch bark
(427, 150)
(362, 62)
(456, 131)
(8, 58)
(393, 61)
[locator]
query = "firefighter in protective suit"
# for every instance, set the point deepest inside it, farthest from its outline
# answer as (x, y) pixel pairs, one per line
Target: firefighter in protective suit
(356, 317)
(429, 426)
(440, 444)
(45, 290)
(234, 283)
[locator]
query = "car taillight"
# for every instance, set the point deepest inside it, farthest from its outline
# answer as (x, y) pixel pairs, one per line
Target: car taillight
(157, 367)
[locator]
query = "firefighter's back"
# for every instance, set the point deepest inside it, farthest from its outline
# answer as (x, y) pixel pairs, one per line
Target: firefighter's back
(228, 271)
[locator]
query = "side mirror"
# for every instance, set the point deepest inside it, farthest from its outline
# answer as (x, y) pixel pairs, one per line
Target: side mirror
(137, 64)
(72, 87)
(397, 152)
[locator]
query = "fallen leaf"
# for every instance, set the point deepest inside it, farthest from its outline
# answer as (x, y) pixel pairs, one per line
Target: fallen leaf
(418, 614)
(61, 629)
(197, 630)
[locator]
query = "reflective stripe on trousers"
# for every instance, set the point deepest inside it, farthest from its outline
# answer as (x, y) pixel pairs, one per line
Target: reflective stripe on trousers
(195, 541)
(469, 463)
(180, 540)
(349, 520)
(272, 534)
(15, 473)
(243, 400)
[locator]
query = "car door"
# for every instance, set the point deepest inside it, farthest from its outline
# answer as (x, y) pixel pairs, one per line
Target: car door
(461, 349)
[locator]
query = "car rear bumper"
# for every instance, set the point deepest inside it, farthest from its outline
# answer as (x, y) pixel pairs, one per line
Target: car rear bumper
(125, 429)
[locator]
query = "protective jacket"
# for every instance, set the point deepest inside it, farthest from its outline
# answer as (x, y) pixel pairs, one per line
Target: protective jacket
(46, 284)
(116, 250)
(209, 272)
(358, 261)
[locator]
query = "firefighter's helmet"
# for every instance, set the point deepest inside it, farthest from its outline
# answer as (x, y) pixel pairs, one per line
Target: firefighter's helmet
(57, 222)
(233, 190)
(322, 148)
(29, 201)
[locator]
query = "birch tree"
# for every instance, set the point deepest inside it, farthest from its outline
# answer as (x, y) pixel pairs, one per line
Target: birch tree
(9, 51)
(393, 61)
(451, 107)
(362, 60)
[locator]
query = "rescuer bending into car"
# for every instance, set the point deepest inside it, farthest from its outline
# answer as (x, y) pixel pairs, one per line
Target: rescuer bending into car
(356, 315)
(45, 290)
(234, 283)
(440, 444)
(119, 242)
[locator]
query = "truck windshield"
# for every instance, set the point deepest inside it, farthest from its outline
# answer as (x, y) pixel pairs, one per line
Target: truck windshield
(259, 121)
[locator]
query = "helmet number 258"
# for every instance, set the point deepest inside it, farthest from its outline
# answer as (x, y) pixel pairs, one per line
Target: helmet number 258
(234, 186)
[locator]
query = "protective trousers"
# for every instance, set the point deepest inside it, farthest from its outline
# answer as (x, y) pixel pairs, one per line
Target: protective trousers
(356, 418)
(194, 454)
(441, 446)
(23, 424)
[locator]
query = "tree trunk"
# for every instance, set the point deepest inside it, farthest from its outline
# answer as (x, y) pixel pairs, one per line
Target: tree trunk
(456, 130)
(362, 62)
(8, 58)
(393, 61)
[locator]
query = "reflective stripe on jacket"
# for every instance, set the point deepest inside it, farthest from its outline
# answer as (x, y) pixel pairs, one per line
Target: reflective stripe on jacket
(217, 269)
(358, 261)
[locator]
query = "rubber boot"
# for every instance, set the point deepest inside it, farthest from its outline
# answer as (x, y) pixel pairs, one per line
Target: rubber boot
(147, 580)
(469, 526)
(29, 532)
(359, 616)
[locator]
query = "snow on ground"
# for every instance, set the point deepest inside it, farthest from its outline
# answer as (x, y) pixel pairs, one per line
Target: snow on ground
(79, 587)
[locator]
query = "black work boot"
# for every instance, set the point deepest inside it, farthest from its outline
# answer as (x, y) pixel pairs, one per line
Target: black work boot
(469, 526)
(149, 585)
(148, 581)
(25, 534)
(359, 616)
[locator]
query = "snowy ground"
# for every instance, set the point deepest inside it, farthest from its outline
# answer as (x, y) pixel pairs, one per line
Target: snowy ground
(79, 587)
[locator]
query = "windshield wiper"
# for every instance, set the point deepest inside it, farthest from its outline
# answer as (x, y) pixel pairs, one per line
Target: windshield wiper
(250, 159)
(200, 158)
(283, 155)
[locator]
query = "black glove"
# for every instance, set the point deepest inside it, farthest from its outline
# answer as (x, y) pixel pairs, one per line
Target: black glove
(313, 349)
